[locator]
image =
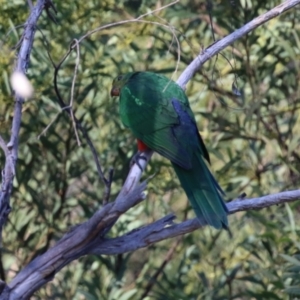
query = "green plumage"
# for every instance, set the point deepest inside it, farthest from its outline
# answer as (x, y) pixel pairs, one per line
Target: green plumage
(158, 113)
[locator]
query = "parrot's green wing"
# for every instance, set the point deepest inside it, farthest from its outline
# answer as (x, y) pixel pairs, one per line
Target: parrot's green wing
(146, 109)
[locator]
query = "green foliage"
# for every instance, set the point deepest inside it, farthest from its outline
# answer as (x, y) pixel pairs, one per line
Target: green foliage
(253, 140)
(292, 274)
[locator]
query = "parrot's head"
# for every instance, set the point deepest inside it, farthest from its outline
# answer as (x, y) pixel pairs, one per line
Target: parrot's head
(118, 83)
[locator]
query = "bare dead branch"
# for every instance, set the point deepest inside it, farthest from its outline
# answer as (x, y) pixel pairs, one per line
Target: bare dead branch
(164, 229)
(73, 88)
(21, 66)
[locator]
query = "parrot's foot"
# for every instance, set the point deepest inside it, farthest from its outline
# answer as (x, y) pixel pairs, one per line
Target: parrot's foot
(242, 196)
(135, 159)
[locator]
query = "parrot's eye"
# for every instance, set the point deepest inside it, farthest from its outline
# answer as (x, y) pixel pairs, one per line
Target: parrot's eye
(119, 77)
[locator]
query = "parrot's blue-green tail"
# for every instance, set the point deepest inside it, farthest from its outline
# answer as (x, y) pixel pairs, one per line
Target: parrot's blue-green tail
(204, 193)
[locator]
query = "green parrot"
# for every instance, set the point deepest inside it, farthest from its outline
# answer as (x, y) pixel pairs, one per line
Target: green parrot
(158, 113)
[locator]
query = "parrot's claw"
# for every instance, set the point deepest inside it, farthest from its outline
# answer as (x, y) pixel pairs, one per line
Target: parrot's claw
(135, 159)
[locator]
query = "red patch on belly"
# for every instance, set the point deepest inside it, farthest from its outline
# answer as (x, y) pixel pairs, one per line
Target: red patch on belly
(141, 146)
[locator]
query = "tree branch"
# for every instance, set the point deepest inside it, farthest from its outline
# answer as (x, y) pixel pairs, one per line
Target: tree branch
(12, 147)
(164, 228)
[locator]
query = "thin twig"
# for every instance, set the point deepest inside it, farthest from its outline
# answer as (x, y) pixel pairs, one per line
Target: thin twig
(9, 170)
(30, 4)
(108, 186)
(167, 259)
(49, 5)
(3, 41)
(73, 88)
(51, 122)
(157, 10)
(78, 124)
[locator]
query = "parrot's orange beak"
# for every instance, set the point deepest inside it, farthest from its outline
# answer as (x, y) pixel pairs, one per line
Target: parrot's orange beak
(115, 91)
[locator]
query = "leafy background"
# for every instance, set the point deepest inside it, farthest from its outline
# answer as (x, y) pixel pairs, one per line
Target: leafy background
(253, 140)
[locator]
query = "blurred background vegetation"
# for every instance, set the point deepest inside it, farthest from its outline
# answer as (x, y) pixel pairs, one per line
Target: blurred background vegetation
(253, 140)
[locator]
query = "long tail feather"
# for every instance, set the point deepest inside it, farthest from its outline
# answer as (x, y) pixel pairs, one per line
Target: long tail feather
(204, 193)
